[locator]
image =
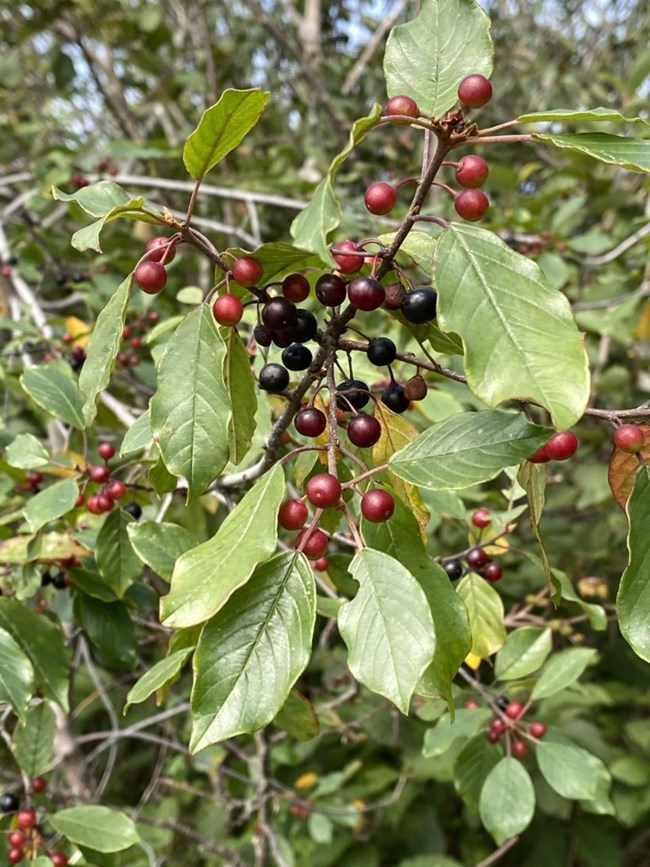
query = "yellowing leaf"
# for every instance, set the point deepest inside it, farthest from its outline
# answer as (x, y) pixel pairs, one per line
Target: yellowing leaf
(473, 660)
(80, 330)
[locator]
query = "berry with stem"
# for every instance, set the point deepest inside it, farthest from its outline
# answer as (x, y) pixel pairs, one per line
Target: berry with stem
(537, 730)
(401, 105)
(151, 277)
(381, 351)
(629, 438)
(476, 557)
(39, 785)
(561, 446)
(17, 838)
(310, 422)
(471, 204)
(519, 749)
(377, 505)
(99, 473)
(314, 543)
(419, 306)
(394, 398)
(323, 490)
(330, 290)
(116, 489)
(481, 518)
(106, 451)
(364, 430)
(26, 819)
(380, 198)
(352, 394)
(492, 737)
(274, 378)
(366, 293)
(514, 710)
(278, 314)
(158, 247)
(475, 91)
(343, 254)
(247, 271)
(453, 568)
(472, 171)
(293, 514)
(227, 310)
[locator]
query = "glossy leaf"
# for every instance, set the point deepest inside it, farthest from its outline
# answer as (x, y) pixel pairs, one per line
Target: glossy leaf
(240, 384)
(471, 768)
(312, 227)
(97, 828)
(511, 322)
(117, 561)
(51, 503)
(524, 651)
(279, 259)
(26, 453)
(190, 423)
(633, 600)
(42, 642)
(221, 129)
(630, 153)
(563, 669)
(467, 448)
(572, 115)
(507, 801)
(253, 651)
(16, 675)
(156, 677)
(465, 724)
(568, 769)
(205, 577)
(387, 628)
(485, 609)
(428, 57)
(159, 544)
(297, 717)
(53, 387)
(105, 200)
(33, 740)
(103, 349)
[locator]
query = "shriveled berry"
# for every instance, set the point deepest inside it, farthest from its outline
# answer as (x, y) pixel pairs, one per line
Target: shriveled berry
(381, 351)
(476, 557)
(151, 277)
(305, 328)
(343, 254)
(247, 271)
(537, 730)
(453, 568)
(279, 313)
(274, 378)
(297, 357)
(472, 171)
(401, 105)
(330, 290)
(629, 438)
(394, 398)
(364, 430)
(395, 294)
(514, 710)
(323, 490)
(295, 288)
(419, 306)
(561, 446)
(293, 514)
(227, 310)
(366, 293)
(475, 91)
(380, 198)
(313, 542)
(491, 571)
(352, 394)
(481, 518)
(415, 388)
(310, 422)
(471, 204)
(377, 505)
(106, 451)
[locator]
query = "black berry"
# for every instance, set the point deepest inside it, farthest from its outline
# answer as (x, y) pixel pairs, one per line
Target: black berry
(9, 802)
(278, 314)
(395, 399)
(274, 378)
(297, 357)
(419, 306)
(381, 351)
(330, 290)
(305, 329)
(134, 510)
(453, 568)
(352, 394)
(263, 335)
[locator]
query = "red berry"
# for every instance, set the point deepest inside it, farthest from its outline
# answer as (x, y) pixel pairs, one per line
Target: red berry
(153, 316)
(15, 855)
(17, 838)
(34, 478)
(629, 438)
(116, 490)
(322, 564)
(106, 451)
(519, 749)
(292, 514)
(470, 704)
(537, 730)
(26, 819)
(67, 337)
(315, 543)
(343, 255)
(498, 726)
(491, 571)
(78, 353)
(228, 310)
(540, 456)
(476, 557)
(93, 505)
(105, 502)
(123, 359)
(247, 271)
(323, 490)
(157, 247)
(295, 288)
(380, 198)
(136, 343)
(475, 91)
(364, 430)
(58, 859)
(514, 710)
(133, 360)
(561, 446)
(481, 518)
(310, 422)
(471, 204)
(377, 506)
(492, 737)
(401, 105)
(366, 293)
(330, 290)
(472, 171)
(99, 474)
(39, 785)
(150, 277)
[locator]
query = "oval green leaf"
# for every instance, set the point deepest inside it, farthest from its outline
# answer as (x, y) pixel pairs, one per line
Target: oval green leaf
(633, 599)
(16, 675)
(54, 387)
(97, 828)
(568, 769)
(562, 670)
(33, 740)
(523, 653)
(485, 609)
(619, 150)
(158, 676)
(51, 503)
(507, 800)
(116, 560)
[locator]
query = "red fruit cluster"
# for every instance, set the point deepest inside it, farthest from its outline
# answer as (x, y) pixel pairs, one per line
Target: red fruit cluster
(477, 559)
(510, 723)
(132, 346)
(112, 489)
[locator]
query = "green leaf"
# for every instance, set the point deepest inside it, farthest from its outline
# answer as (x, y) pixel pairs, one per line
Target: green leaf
(485, 609)
(465, 724)
(109, 628)
(159, 545)
(507, 801)
(568, 769)
(51, 503)
(279, 259)
(312, 227)
(221, 129)
(103, 349)
(297, 717)
(33, 740)
(387, 628)
(471, 768)
(240, 383)
(523, 653)
(42, 642)
(26, 453)
(156, 677)
(400, 538)
(16, 675)
(511, 322)
(563, 669)
(467, 448)
(190, 412)
(116, 560)
(596, 613)
(570, 115)
(253, 651)
(633, 599)
(138, 437)
(428, 57)
(205, 577)
(53, 386)
(97, 828)
(106, 200)
(629, 153)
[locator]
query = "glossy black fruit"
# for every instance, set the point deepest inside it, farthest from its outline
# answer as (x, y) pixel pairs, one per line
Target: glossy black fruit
(263, 335)
(352, 394)
(305, 329)
(419, 306)
(453, 568)
(297, 357)
(381, 351)
(134, 509)
(9, 802)
(330, 290)
(395, 399)
(274, 378)
(278, 314)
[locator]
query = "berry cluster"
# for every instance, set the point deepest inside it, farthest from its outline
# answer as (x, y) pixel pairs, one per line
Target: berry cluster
(23, 838)
(130, 353)
(508, 722)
